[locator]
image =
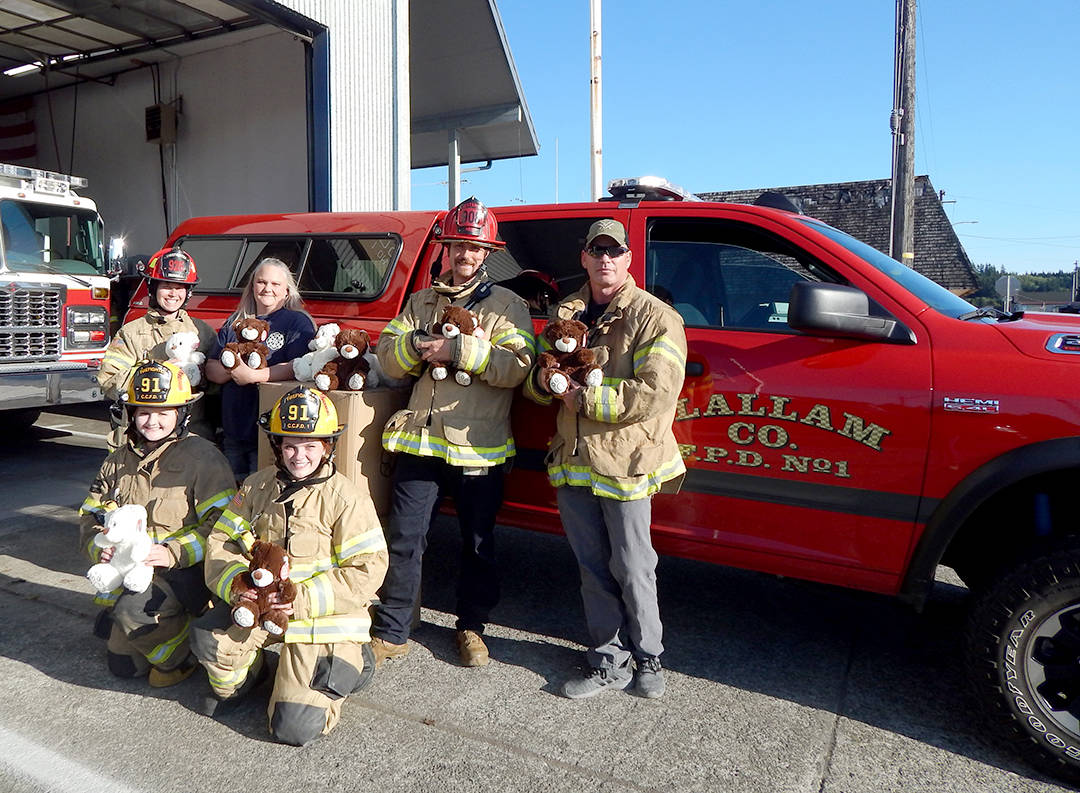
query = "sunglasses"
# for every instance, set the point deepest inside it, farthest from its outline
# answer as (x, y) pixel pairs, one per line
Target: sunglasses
(613, 251)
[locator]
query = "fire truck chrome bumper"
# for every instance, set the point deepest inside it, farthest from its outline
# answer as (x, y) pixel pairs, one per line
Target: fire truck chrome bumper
(34, 389)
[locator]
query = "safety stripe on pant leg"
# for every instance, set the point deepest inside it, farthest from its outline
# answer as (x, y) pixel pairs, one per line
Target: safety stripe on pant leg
(164, 651)
(229, 680)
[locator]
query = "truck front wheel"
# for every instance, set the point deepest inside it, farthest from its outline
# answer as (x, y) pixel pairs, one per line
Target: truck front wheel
(19, 421)
(1024, 659)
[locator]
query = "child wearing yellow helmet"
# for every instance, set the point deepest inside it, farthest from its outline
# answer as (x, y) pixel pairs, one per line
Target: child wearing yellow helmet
(337, 559)
(184, 482)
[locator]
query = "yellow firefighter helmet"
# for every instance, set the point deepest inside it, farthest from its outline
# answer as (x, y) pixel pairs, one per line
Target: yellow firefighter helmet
(302, 413)
(158, 384)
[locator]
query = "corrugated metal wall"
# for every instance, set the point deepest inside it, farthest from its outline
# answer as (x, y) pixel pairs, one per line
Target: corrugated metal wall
(369, 100)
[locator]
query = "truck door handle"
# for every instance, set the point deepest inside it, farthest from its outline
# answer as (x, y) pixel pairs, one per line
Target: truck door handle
(695, 369)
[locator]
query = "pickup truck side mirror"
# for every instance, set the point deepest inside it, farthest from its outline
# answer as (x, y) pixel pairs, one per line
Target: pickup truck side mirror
(842, 311)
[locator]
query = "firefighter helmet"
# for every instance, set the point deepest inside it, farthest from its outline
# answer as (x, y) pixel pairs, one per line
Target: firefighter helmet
(471, 221)
(173, 266)
(301, 413)
(158, 384)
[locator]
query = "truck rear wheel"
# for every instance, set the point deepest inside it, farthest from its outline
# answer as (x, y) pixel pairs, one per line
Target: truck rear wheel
(1024, 659)
(19, 421)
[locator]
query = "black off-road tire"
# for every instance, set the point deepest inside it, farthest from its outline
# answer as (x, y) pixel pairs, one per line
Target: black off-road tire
(1023, 646)
(19, 421)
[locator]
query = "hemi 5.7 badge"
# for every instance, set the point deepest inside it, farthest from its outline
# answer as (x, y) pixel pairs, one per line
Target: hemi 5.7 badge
(972, 405)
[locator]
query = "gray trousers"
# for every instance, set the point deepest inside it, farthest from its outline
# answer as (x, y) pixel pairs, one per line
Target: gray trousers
(613, 546)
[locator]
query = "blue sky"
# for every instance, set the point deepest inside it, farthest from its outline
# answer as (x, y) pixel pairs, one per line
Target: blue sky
(718, 96)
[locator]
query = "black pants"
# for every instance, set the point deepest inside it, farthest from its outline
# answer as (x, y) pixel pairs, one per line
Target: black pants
(420, 483)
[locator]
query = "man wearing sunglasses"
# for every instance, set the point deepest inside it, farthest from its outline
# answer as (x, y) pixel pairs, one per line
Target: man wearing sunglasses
(613, 450)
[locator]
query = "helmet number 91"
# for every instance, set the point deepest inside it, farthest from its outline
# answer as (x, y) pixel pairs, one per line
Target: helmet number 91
(298, 412)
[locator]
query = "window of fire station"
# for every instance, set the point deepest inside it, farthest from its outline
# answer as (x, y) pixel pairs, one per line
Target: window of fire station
(726, 274)
(542, 259)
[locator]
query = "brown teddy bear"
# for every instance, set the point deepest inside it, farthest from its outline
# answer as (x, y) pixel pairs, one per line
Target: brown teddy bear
(456, 320)
(568, 359)
(267, 573)
(249, 346)
(350, 370)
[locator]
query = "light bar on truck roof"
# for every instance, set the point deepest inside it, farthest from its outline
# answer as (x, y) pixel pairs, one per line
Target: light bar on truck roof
(649, 188)
(35, 174)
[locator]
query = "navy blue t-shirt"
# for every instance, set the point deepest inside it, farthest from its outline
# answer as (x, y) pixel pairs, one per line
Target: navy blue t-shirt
(290, 332)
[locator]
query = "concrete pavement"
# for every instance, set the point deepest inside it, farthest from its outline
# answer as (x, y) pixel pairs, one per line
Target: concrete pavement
(773, 685)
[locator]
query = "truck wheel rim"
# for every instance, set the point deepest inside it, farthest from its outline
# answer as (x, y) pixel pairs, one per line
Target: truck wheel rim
(1052, 667)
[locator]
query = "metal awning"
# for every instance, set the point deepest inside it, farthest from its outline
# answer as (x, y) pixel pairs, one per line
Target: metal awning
(72, 41)
(463, 78)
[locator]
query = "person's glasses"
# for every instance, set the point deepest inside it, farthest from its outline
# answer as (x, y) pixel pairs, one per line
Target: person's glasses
(613, 251)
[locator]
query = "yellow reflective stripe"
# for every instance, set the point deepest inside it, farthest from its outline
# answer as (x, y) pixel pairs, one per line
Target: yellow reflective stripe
(224, 584)
(229, 679)
(427, 445)
(117, 355)
(217, 500)
(604, 404)
(403, 351)
(93, 550)
(661, 345)
(320, 591)
(507, 338)
(108, 598)
(236, 528)
(163, 651)
(534, 393)
(396, 327)
(330, 629)
(478, 356)
(300, 572)
(193, 546)
(92, 504)
(608, 487)
(367, 542)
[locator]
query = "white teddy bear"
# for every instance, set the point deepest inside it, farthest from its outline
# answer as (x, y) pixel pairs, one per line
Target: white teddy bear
(322, 352)
(182, 349)
(125, 532)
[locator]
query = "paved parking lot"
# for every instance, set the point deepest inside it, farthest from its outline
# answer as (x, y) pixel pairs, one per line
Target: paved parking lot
(773, 684)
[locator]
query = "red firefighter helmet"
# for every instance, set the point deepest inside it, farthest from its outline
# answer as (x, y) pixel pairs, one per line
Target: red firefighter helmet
(172, 265)
(471, 221)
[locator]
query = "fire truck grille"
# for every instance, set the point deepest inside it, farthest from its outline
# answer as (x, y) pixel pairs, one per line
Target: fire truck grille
(30, 323)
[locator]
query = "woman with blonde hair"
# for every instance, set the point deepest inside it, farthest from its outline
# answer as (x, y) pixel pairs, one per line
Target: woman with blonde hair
(270, 294)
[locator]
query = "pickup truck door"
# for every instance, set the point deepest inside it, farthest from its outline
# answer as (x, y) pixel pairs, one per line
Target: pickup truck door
(805, 454)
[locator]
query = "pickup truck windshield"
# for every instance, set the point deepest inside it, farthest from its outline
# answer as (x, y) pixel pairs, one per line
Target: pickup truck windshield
(934, 295)
(52, 239)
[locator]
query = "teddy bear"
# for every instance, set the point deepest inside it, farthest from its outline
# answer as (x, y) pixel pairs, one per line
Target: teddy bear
(125, 532)
(568, 359)
(249, 347)
(456, 320)
(267, 573)
(183, 350)
(322, 352)
(351, 369)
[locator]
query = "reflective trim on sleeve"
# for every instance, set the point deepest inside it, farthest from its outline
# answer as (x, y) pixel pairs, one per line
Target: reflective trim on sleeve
(663, 346)
(108, 599)
(193, 546)
(533, 392)
(603, 405)
(476, 355)
(320, 591)
(221, 499)
(403, 350)
(515, 337)
(236, 528)
(224, 584)
(368, 542)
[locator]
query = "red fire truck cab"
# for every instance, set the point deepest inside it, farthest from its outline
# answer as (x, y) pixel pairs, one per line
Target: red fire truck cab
(843, 418)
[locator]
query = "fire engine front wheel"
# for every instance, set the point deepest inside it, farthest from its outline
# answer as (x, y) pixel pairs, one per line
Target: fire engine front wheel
(1024, 659)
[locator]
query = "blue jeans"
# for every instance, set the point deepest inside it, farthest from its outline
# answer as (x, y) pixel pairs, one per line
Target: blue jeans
(243, 457)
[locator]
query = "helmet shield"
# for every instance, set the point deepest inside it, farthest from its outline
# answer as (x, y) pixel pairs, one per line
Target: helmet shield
(302, 413)
(471, 221)
(158, 384)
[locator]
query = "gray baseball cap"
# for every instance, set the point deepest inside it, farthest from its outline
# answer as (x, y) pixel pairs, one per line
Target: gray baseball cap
(608, 227)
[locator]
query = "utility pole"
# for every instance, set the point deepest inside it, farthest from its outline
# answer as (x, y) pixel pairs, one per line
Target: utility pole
(1076, 277)
(595, 102)
(902, 123)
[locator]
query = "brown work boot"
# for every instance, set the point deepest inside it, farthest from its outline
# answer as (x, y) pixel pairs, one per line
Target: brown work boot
(384, 649)
(163, 678)
(472, 649)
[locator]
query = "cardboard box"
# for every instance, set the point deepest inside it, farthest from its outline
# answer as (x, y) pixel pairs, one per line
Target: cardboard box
(360, 455)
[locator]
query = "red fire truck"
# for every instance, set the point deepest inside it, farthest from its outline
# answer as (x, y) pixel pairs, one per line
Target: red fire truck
(843, 418)
(54, 293)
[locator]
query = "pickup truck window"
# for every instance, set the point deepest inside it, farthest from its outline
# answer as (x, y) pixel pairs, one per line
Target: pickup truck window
(542, 259)
(934, 295)
(355, 266)
(724, 274)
